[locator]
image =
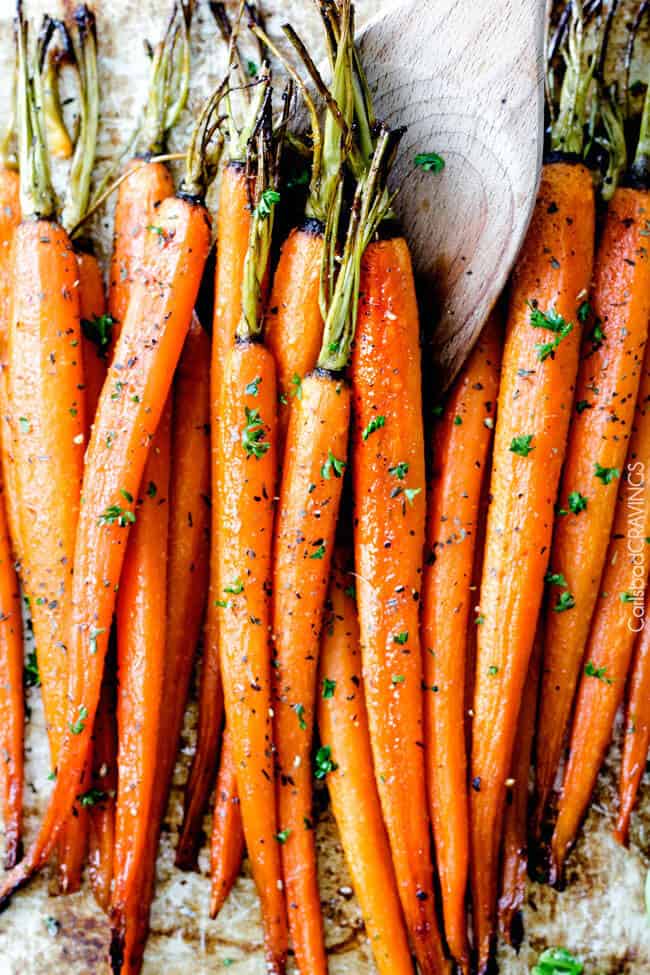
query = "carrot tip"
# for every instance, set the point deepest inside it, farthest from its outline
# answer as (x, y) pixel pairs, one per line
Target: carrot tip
(117, 947)
(621, 833)
(187, 855)
(13, 851)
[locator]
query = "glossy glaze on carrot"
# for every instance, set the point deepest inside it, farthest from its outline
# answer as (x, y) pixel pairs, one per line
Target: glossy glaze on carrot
(618, 616)
(227, 845)
(96, 338)
(460, 452)
(9, 220)
(343, 726)
(606, 392)
(389, 522)
(535, 399)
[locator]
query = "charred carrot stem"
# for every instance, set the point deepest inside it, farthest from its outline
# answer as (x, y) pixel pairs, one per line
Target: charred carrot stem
(606, 391)
(227, 846)
(637, 731)
(343, 725)
(12, 711)
(388, 486)
(514, 867)
(617, 618)
(533, 411)
(460, 453)
(233, 229)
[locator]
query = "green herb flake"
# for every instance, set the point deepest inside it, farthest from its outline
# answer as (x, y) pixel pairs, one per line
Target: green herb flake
(126, 495)
(319, 553)
(323, 763)
(300, 713)
(283, 835)
(329, 686)
(566, 600)
(577, 502)
(80, 724)
(521, 445)
(555, 579)
(553, 322)
(253, 387)
(296, 382)
(91, 797)
(584, 311)
(397, 679)
(376, 423)
(606, 474)
(99, 331)
(493, 670)
(252, 436)
(626, 597)
(267, 201)
(25, 425)
(115, 514)
(235, 588)
(332, 466)
(399, 470)
(458, 421)
(582, 405)
(600, 673)
(429, 162)
(401, 638)
(557, 961)
(152, 489)
(32, 676)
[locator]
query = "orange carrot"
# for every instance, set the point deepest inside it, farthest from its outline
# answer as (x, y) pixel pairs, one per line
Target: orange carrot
(9, 220)
(515, 831)
(617, 618)
(100, 798)
(227, 847)
(460, 453)
(233, 227)
(141, 624)
(343, 725)
(96, 330)
(536, 391)
(388, 479)
(12, 712)
(606, 391)
(130, 407)
(637, 729)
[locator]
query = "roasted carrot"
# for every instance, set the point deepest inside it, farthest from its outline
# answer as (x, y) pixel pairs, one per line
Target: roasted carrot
(245, 488)
(233, 231)
(132, 400)
(460, 451)
(637, 729)
(538, 374)
(9, 220)
(233, 228)
(618, 616)
(45, 391)
(100, 798)
(606, 391)
(343, 726)
(149, 182)
(227, 846)
(12, 712)
(514, 866)
(95, 326)
(141, 625)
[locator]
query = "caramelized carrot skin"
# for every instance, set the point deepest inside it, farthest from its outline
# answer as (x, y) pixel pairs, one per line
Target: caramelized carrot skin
(293, 326)
(233, 226)
(104, 780)
(618, 617)
(460, 452)
(9, 220)
(310, 496)
(608, 381)
(534, 400)
(92, 305)
(146, 356)
(637, 731)
(389, 539)
(245, 489)
(227, 846)
(141, 633)
(343, 725)
(12, 711)
(514, 867)
(138, 200)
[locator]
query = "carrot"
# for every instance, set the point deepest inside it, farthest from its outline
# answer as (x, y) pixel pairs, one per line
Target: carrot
(233, 231)
(45, 384)
(149, 182)
(9, 220)
(227, 846)
(606, 391)
(515, 831)
(57, 136)
(343, 725)
(96, 330)
(245, 488)
(12, 712)
(637, 730)
(141, 624)
(618, 616)
(129, 409)
(100, 798)
(233, 228)
(460, 452)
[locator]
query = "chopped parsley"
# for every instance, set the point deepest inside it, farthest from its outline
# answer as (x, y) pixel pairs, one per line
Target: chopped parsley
(300, 713)
(555, 579)
(80, 724)
(329, 686)
(600, 673)
(429, 162)
(253, 435)
(606, 474)
(32, 676)
(493, 670)
(323, 763)
(376, 423)
(626, 597)
(552, 321)
(398, 679)
(521, 445)
(283, 835)
(235, 588)
(268, 199)
(296, 382)
(458, 421)
(332, 466)
(566, 600)
(399, 470)
(577, 502)
(584, 311)
(401, 638)
(115, 514)
(582, 405)
(319, 553)
(557, 961)
(99, 330)
(91, 797)
(253, 387)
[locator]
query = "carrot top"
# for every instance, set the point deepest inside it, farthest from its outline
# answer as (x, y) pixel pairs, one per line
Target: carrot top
(83, 39)
(567, 132)
(170, 82)
(37, 198)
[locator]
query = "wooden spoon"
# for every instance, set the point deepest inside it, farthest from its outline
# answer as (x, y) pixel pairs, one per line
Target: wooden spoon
(466, 77)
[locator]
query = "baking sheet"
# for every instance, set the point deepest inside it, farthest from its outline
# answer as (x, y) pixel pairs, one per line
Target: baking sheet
(600, 917)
